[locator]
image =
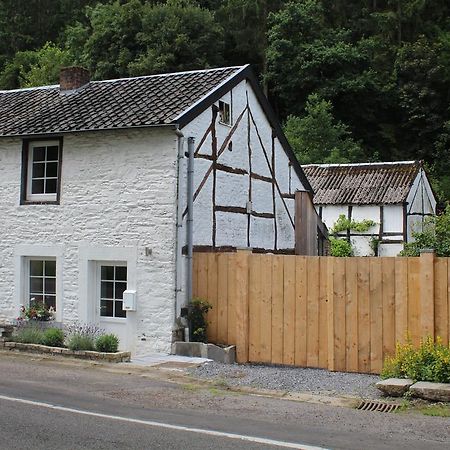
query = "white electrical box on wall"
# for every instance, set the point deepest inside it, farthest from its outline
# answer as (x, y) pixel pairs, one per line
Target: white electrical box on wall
(129, 300)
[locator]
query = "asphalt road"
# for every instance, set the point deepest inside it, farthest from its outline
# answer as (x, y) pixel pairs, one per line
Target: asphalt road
(48, 405)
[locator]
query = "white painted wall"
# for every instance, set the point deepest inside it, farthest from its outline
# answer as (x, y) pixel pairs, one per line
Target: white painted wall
(118, 197)
(233, 189)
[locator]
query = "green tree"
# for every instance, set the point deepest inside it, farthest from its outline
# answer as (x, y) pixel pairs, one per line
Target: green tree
(177, 35)
(318, 138)
(435, 235)
(35, 68)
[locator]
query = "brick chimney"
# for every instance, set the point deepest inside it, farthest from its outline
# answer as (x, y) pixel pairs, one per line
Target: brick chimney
(73, 78)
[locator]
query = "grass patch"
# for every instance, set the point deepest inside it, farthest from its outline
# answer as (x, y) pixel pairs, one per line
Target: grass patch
(435, 410)
(417, 406)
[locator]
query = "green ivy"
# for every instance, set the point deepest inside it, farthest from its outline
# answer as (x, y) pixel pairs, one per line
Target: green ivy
(345, 224)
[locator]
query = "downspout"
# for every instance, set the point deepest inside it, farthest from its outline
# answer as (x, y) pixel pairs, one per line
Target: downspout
(190, 218)
(179, 227)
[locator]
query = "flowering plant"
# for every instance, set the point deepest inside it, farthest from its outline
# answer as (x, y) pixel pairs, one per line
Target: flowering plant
(36, 311)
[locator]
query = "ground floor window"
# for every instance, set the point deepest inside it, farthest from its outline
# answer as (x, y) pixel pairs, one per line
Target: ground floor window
(42, 282)
(113, 283)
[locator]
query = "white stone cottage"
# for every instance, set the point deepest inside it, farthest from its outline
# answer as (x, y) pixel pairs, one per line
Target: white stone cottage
(397, 196)
(95, 178)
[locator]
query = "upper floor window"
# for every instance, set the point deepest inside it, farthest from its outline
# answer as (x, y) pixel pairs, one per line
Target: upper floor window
(42, 160)
(224, 112)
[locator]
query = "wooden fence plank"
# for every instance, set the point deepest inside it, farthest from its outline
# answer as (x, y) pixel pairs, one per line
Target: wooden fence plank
(301, 293)
(222, 298)
(211, 296)
(376, 316)
(351, 315)
(241, 295)
(401, 299)
(427, 294)
(440, 298)
(339, 315)
(254, 308)
(323, 313)
(232, 288)
(312, 340)
(388, 289)
(266, 309)
(363, 272)
(330, 313)
(289, 310)
(414, 329)
(277, 309)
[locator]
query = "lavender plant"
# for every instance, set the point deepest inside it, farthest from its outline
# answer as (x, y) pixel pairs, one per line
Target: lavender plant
(82, 336)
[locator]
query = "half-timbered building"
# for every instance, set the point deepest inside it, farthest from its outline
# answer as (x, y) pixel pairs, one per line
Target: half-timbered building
(109, 186)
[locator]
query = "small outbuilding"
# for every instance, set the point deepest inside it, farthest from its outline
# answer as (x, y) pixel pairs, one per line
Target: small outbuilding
(397, 196)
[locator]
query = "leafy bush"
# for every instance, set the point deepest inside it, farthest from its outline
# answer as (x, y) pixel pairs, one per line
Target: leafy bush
(340, 247)
(53, 337)
(108, 343)
(435, 235)
(82, 337)
(80, 342)
(429, 362)
(197, 319)
(28, 334)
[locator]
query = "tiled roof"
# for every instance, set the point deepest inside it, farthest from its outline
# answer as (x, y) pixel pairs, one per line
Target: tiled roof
(361, 184)
(113, 104)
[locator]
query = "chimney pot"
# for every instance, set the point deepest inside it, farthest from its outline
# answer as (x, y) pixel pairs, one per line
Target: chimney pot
(71, 78)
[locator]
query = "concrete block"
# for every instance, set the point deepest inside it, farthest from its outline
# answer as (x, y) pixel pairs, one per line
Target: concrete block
(431, 391)
(226, 355)
(394, 387)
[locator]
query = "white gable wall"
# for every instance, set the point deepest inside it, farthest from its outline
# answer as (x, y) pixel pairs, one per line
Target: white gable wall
(234, 190)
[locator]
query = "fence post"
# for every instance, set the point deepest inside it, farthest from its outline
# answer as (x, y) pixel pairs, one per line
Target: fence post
(427, 293)
(330, 312)
(242, 304)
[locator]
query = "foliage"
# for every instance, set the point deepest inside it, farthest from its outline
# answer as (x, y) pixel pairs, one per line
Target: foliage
(361, 80)
(429, 362)
(37, 311)
(435, 235)
(344, 224)
(82, 337)
(197, 319)
(340, 247)
(318, 138)
(108, 343)
(53, 337)
(28, 333)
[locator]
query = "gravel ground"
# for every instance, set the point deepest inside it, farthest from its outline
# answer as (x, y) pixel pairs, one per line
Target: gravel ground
(294, 379)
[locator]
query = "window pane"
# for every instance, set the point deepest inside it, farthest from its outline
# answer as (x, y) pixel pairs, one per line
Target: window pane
(52, 153)
(51, 170)
(36, 300)
(36, 268)
(107, 289)
(39, 154)
(50, 285)
(50, 186)
(38, 170)
(50, 268)
(119, 311)
(120, 287)
(36, 285)
(107, 273)
(50, 301)
(121, 273)
(37, 187)
(106, 308)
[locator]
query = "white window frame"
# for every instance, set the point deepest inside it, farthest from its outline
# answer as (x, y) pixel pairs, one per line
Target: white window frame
(22, 255)
(28, 259)
(52, 197)
(99, 295)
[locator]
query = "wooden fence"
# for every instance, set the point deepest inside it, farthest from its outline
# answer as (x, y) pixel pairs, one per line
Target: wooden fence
(342, 314)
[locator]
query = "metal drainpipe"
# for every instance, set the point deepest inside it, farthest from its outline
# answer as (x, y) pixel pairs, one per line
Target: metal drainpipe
(178, 264)
(190, 217)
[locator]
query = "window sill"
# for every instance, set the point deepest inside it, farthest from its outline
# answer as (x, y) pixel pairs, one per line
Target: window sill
(40, 202)
(113, 319)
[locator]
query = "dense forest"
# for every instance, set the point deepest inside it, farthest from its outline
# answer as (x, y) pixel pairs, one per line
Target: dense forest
(351, 80)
